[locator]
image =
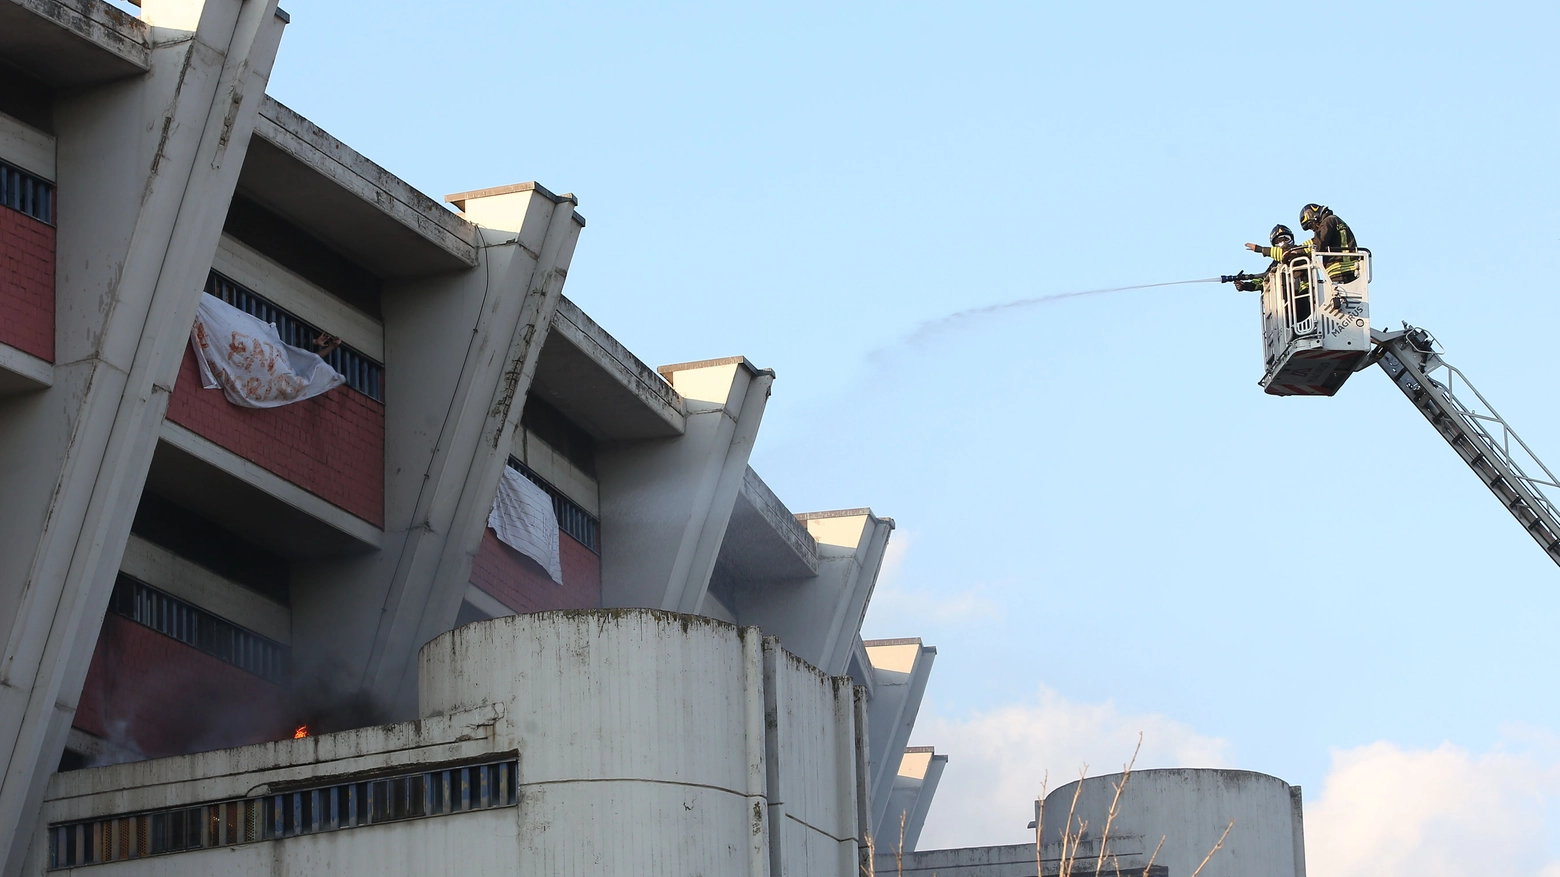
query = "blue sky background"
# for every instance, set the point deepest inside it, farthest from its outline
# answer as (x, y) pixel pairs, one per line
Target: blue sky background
(1092, 495)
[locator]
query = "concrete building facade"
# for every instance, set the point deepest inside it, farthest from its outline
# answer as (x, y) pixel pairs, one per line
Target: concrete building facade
(187, 583)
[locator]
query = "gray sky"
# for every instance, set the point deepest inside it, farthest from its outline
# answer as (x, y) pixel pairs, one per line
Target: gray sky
(1104, 525)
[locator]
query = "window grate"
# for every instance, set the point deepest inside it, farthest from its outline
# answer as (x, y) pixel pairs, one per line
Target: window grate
(572, 517)
(438, 792)
(362, 374)
(196, 627)
(29, 193)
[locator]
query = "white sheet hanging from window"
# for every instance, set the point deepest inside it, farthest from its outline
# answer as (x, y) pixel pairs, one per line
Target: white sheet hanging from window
(245, 356)
(524, 519)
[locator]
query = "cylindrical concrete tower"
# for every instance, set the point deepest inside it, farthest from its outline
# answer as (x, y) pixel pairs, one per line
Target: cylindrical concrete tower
(654, 743)
(1190, 809)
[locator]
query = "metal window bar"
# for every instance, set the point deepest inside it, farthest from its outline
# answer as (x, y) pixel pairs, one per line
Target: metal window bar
(25, 192)
(362, 374)
(288, 814)
(572, 517)
(196, 627)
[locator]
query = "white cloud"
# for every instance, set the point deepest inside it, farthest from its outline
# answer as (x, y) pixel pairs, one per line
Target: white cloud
(1387, 811)
(997, 760)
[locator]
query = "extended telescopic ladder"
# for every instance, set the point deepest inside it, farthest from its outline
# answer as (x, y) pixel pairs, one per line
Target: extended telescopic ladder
(1490, 447)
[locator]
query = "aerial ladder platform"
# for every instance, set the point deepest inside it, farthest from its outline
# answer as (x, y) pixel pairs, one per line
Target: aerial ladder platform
(1316, 333)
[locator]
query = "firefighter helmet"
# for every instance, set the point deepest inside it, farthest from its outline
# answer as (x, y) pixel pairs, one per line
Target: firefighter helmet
(1311, 215)
(1281, 233)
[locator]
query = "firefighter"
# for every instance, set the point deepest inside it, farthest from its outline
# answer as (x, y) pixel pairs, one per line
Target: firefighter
(1329, 234)
(1281, 250)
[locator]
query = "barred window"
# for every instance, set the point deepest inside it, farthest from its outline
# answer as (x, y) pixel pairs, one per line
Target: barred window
(193, 626)
(362, 374)
(441, 791)
(29, 193)
(572, 517)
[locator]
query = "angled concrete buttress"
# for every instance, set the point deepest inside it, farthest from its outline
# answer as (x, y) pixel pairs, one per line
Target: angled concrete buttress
(920, 771)
(665, 503)
(818, 618)
(147, 165)
(902, 667)
(462, 349)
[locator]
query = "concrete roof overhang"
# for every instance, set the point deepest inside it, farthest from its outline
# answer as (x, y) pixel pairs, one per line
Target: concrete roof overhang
(72, 42)
(295, 169)
(272, 519)
(764, 542)
(597, 383)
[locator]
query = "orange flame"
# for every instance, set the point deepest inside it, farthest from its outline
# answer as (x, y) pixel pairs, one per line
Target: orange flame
(300, 732)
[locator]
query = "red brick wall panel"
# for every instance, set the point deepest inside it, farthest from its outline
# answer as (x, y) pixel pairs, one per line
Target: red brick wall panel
(26, 283)
(332, 445)
(522, 584)
(153, 694)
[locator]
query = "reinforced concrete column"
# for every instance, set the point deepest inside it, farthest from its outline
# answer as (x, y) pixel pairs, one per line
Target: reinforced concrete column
(665, 503)
(146, 168)
(461, 351)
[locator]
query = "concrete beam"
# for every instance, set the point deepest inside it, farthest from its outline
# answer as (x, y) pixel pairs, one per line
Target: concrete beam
(330, 190)
(247, 498)
(597, 383)
(147, 168)
(21, 372)
(665, 503)
(71, 43)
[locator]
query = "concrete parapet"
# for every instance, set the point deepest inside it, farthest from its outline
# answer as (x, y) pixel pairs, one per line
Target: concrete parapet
(637, 726)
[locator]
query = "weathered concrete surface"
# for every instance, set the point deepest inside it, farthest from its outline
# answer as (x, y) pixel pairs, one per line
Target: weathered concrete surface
(461, 350)
(902, 667)
(765, 544)
(597, 383)
(1190, 808)
(634, 727)
(665, 503)
(648, 743)
(920, 770)
(73, 42)
(247, 498)
(325, 187)
(151, 162)
(819, 617)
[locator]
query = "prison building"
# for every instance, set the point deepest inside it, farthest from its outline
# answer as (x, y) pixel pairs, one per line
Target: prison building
(244, 638)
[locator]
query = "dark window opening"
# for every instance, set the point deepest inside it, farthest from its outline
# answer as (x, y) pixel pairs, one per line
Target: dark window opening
(25, 98)
(303, 254)
(225, 553)
(551, 426)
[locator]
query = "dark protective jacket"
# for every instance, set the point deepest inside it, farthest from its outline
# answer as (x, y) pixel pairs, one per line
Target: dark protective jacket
(1278, 256)
(1333, 235)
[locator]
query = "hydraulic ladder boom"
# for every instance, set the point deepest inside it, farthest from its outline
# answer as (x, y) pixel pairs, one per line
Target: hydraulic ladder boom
(1479, 435)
